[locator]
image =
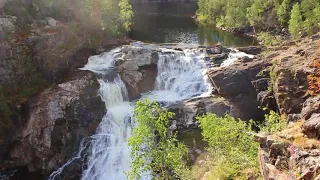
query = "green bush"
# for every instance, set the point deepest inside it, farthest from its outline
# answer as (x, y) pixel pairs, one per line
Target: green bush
(295, 23)
(153, 149)
(273, 123)
(231, 145)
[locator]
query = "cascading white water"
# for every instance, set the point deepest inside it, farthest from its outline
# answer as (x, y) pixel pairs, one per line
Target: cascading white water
(233, 56)
(181, 75)
(109, 157)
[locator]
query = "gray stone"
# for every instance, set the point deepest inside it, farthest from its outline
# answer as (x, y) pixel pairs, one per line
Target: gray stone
(312, 126)
(51, 21)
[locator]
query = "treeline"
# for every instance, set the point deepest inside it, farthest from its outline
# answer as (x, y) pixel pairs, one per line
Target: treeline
(112, 16)
(296, 15)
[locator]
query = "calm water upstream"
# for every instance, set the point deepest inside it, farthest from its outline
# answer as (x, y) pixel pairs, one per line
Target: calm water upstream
(173, 23)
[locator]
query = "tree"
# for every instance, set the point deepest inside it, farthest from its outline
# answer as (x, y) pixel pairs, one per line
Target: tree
(295, 23)
(283, 12)
(310, 11)
(153, 149)
(254, 13)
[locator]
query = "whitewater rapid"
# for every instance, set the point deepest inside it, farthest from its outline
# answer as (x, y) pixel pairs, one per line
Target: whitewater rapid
(181, 75)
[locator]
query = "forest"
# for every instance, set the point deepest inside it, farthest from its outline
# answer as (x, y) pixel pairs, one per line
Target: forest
(297, 16)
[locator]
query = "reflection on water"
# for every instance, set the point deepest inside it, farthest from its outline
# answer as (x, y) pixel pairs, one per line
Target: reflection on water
(173, 23)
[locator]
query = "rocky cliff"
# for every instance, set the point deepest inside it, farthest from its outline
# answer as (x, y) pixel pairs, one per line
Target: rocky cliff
(53, 124)
(294, 152)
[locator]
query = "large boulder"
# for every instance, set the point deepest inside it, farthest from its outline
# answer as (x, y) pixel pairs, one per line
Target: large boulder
(240, 83)
(58, 119)
(137, 66)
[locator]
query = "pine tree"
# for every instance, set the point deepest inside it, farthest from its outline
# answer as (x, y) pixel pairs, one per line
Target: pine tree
(295, 23)
(283, 12)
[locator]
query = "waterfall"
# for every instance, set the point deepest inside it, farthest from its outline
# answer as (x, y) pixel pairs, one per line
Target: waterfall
(110, 154)
(181, 75)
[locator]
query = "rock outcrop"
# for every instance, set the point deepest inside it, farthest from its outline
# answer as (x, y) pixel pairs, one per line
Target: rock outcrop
(58, 119)
(294, 152)
(137, 66)
(240, 83)
(289, 154)
(291, 68)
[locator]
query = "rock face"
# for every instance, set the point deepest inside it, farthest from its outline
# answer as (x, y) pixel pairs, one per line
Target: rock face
(291, 67)
(294, 152)
(240, 83)
(58, 119)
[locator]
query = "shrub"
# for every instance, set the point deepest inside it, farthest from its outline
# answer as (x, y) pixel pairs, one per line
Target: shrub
(295, 23)
(153, 149)
(231, 145)
(273, 123)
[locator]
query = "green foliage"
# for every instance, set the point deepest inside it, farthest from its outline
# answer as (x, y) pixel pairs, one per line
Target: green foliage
(153, 149)
(259, 14)
(295, 23)
(283, 12)
(273, 123)
(254, 13)
(110, 16)
(311, 12)
(231, 145)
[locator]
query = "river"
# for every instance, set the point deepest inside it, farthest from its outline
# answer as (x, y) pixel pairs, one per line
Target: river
(173, 23)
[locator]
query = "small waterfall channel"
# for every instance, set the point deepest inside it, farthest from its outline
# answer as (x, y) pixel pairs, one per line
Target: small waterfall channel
(181, 75)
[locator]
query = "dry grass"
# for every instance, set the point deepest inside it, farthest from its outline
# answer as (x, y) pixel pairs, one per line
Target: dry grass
(293, 135)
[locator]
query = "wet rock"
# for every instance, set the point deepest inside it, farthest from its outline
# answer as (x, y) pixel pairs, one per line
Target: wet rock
(214, 50)
(131, 79)
(254, 50)
(217, 58)
(142, 56)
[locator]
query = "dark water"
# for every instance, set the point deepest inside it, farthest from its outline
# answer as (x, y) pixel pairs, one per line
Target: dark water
(173, 23)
